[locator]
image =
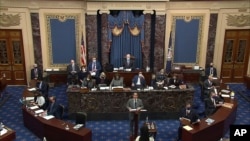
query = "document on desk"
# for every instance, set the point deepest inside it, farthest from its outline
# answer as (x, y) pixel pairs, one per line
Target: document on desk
(48, 117)
(39, 111)
(187, 127)
(228, 105)
(34, 107)
(32, 89)
(3, 131)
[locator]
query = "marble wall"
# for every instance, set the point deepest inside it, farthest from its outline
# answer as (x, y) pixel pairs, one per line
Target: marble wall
(211, 38)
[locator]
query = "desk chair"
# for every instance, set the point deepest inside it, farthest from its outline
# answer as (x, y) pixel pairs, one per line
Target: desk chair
(60, 111)
(81, 118)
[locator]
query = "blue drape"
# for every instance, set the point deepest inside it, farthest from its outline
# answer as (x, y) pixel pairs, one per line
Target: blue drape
(125, 42)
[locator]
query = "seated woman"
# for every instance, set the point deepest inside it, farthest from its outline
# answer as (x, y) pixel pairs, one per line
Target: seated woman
(153, 81)
(88, 82)
(39, 100)
(102, 80)
(117, 81)
(161, 79)
(175, 81)
(82, 73)
(144, 134)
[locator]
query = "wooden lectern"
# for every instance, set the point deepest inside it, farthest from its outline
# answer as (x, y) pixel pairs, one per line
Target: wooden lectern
(136, 123)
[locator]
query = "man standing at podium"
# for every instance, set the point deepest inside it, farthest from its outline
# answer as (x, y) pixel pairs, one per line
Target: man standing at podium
(134, 105)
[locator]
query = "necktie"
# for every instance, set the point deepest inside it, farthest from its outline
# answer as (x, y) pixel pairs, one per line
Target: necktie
(73, 68)
(94, 66)
(36, 74)
(40, 86)
(211, 70)
(135, 103)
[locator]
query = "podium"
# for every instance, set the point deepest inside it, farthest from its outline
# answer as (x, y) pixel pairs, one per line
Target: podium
(136, 122)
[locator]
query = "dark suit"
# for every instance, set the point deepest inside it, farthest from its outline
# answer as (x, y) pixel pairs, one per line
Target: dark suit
(53, 109)
(129, 65)
(131, 104)
(175, 82)
(88, 83)
(72, 73)
(210, 106)
(207, 87)
(208, 71)
(142, 82)
(192, 116)
(97, 70)
(36, 73)
(43, 87)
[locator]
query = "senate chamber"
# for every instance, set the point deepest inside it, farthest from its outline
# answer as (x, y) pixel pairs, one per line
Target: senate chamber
(131, 70)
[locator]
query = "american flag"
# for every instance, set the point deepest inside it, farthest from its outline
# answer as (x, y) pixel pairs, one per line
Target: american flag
(169, 59)
(83, 52)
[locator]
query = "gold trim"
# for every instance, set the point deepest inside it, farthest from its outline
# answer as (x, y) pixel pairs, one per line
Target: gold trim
(61, 18)
(188, 19)
(134, 31)
(117, 31)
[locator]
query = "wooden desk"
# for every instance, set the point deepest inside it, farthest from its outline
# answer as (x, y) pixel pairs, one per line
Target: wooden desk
(3, 84)
(53, 129)
(128, 76)
(57, 77)
(191, 76)
(202, 131)
(9, 136)
(247, 81)
(106, 104)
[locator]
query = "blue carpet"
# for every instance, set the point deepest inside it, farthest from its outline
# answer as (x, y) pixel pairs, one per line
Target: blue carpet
(11, 115)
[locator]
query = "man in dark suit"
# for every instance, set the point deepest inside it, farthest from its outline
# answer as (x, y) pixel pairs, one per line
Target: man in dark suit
(35, 73)
(72, 70)
(207, 87)
(212, 103)
(138, 81)
(43, 87)
(53, 108)
(211, 70)
(189, 114)
(128, 63)
(134, 105)
(94, 68)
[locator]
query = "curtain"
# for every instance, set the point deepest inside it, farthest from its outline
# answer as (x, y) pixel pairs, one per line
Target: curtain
(126, 35)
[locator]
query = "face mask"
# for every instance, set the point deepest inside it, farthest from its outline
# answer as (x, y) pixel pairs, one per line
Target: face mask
(188, 109)
(211, 65)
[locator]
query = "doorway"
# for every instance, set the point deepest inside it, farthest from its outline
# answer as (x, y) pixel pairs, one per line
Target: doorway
(235, 55)
(12, 62)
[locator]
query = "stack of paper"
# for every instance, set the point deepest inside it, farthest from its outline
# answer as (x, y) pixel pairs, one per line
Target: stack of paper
(32, 89)
(34, 107)
(78, 126)
(209, 120)
(39, 111)
(187, 127)
(48, 117)
(3, 131)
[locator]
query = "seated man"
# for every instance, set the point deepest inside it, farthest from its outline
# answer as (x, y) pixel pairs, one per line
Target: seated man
(94, 68)
(161, 79)
(43, 87)
(187, 116)
(128, 63)
(207, 86)
(53, 108)
(138, 81)
(72, 70)
(117, 81)
(35, 73)
(211, 70)
(212, 103)
(153, 81)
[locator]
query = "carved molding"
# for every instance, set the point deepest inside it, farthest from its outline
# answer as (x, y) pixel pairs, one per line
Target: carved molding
(7, 20)
(238, 20)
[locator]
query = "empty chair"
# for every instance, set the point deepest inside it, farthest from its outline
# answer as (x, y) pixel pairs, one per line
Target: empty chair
(81, 118)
